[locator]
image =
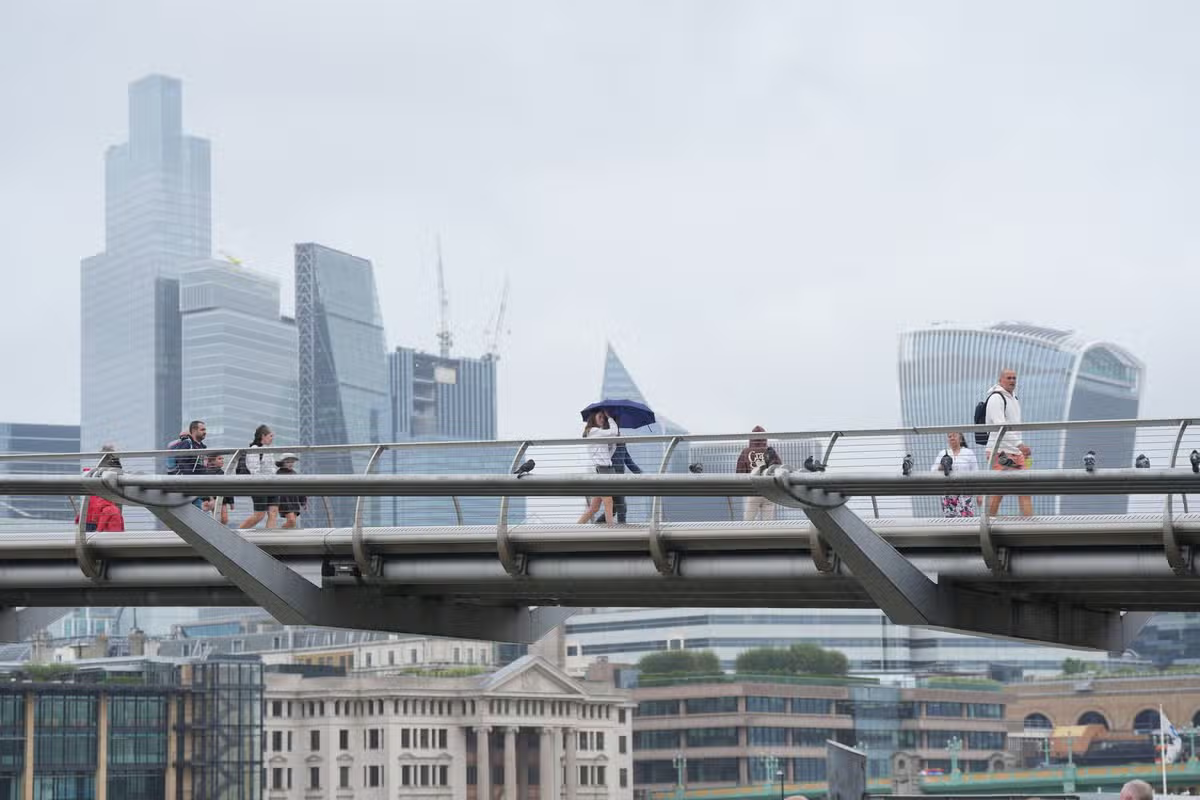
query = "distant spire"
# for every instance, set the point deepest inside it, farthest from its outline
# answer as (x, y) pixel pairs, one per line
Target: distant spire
(618, 383)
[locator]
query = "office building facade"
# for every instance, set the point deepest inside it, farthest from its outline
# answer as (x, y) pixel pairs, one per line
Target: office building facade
(443, 399)
(526, 732)
(158, 219)
(946, 369)
(21, 437)
(134, 729)
(239, 355)
(343, 368)
(710, 734)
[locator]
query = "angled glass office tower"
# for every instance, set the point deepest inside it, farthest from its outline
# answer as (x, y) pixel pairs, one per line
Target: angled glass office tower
(343, 376)
(158, 218)
(444, 399)
(239, 354)
(947, 368)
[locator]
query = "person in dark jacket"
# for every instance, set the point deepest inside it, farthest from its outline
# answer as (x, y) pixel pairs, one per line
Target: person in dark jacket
(290, 505)
(216, 466)
(621, 461)
(757, 457)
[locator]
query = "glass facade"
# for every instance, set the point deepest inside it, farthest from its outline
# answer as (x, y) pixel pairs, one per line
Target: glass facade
(65, 746)
(158, 215)
(137, 746)
(17, 437)
(444, 399)
(945, 370)
(343, 375)
(227, 729)
(12, 745)
(239, 355)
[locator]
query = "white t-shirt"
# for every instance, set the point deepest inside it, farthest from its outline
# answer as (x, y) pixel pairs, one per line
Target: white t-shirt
(965, 461)
(601, 452)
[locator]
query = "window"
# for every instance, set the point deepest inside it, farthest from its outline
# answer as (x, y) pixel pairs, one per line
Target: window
(599, 740)
(623, 777)
(767, 705)
(424, 739)
(601, 776)
(374, 776)
(391, 658)
(943, 709)
(405, 741)
(1038, 722)
(711, 705)
(373, 738)
(368, 659)
(808, 770)
(277, 778)
(343, 739)
(343, 777)
(811, 705)
(276, 708)
(405, 775)
(276, 741)
(766, 736)
(412, 656)
(811, 737)
(657, 708)
(314, 741)
(655, 740)
(441, 735)
(712, 737)
(621, 745)
(457, 655)
(713, 770)
(985, 740)
(289, 741)
(583, 775)
(991, 711)
(621, 715)
(314, 777)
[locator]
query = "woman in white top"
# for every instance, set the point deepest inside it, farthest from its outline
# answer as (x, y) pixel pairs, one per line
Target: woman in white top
(259, 463)
(961, 460)
(600, 453)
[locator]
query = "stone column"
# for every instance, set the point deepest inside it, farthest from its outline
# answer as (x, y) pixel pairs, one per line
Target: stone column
(458, 773)
(483, 764)
(550, 765)
(510, 764)
(522, 766)
(572, 786)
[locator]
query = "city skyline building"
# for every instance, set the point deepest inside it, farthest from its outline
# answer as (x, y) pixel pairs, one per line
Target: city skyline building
(23, 437)
(436, 398)
(158, 219)
(343, 374)
(239, 355)
(945, 369)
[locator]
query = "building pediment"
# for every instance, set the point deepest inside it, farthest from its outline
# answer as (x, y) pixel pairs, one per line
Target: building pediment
(345, 758)
(409, 758)
(277, 759)
(532, 675)
(313, 758)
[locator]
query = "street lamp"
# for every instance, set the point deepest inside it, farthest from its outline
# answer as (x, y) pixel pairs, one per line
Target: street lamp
(779, 776)
(680, 762)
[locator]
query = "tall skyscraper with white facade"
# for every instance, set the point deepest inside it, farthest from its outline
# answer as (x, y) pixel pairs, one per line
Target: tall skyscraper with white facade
(343, 376)
(946, 369)
(239, 354)
(158, 219)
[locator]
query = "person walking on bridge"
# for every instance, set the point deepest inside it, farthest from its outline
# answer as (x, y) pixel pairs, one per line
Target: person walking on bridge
(600, 453)
(961, 459)
(259, 463)
(756, 458)
(1012, 453)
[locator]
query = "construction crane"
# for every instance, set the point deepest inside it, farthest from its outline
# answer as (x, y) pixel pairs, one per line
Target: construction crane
(493, 349)
(445, 337)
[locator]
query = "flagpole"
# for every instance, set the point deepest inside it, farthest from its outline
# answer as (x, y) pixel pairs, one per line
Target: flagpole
(1162, 737)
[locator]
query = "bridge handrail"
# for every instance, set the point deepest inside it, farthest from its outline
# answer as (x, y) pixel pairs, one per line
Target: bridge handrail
(651, 438)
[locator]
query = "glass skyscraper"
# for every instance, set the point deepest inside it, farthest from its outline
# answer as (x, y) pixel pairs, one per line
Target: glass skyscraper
(436, 399)
(946, 369)
(19, 437)
(239, 355)
(343, 376)
(158, 218)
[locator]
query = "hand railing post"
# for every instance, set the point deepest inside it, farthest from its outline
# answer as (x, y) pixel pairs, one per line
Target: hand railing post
(1178, 557)
(512, 561)
(993, 557)
(367, 565)
(664, 562)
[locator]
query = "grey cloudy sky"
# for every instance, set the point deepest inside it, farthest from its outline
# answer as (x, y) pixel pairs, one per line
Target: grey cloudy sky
(750, 200)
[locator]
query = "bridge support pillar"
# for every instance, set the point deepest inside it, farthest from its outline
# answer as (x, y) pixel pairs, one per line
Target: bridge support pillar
(295, 600)
(909, 597)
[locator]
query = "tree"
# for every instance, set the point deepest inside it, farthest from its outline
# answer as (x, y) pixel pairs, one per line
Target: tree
(1074, 666)
(799, 659)
(680, 662)
(765, 661)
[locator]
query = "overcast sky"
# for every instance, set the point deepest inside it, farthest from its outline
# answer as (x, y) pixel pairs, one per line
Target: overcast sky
(750, 200)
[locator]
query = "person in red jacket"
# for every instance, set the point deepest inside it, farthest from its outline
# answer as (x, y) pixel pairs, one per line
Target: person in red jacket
(103, 515)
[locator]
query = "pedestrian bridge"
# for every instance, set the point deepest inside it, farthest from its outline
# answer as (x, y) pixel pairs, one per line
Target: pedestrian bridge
(853, 530)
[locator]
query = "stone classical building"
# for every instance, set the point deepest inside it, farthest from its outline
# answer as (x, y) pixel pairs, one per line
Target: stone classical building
(537, 732)
(1123, 705)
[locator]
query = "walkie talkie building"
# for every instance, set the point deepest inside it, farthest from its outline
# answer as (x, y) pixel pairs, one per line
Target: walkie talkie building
(947, 368)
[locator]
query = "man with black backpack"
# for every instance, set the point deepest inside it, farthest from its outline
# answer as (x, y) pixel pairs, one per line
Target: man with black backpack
(1002, 408)
(191, 439)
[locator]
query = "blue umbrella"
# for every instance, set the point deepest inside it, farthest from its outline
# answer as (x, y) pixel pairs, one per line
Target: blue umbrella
(627, 413)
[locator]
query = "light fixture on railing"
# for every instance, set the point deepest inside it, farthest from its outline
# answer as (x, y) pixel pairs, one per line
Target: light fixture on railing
(907, 464)
(1141, 462)
(1089, 460)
